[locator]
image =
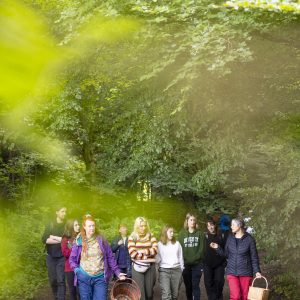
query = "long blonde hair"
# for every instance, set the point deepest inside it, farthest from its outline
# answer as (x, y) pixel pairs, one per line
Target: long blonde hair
(137, 223)
(188, 215)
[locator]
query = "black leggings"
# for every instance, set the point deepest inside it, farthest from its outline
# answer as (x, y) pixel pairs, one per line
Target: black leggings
(72, 289)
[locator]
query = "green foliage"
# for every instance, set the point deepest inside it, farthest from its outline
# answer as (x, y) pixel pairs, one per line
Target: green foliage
(197, 98)
(277, 6)
(17, 169)
(287, 285)
(22, 255)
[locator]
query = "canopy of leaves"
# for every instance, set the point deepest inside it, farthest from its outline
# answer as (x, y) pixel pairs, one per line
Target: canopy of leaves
(200, 99)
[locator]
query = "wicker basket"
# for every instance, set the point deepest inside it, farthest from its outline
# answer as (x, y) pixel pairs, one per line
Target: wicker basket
(257, 293)
(125, 290)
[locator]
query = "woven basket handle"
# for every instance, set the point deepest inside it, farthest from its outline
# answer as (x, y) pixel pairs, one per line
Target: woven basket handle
(263, 278)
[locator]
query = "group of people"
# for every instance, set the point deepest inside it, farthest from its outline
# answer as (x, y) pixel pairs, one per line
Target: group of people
(87, 261)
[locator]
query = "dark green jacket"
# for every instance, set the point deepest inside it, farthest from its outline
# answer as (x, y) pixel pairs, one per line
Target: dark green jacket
(192, 246)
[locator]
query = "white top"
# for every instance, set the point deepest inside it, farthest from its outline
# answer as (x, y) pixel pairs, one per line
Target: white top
(170, 255)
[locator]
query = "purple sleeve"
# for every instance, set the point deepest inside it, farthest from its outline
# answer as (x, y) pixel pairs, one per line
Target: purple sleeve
(254, 257)
(73, 259)
(111, 260)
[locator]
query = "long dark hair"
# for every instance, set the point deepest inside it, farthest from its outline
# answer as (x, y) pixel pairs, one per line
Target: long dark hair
(69, 229)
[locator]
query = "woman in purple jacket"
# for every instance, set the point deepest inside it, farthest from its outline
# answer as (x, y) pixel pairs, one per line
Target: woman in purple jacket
(93, 262)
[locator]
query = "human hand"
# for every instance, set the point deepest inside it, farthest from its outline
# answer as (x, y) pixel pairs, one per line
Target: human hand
(214, 245)
(55, 238)
(122, 276)
(258, 275)
(120, 242)
(76, 270)
(70, 245)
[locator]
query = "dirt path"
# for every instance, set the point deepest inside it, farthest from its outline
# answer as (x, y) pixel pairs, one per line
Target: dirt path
(46, 293)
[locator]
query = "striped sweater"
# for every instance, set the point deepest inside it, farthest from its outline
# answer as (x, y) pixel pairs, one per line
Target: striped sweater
(141, 248)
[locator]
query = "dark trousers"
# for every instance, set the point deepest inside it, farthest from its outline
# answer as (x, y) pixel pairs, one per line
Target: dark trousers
(214, 282)
(56, 274)
(191, 277)
(72, 289)
(145, 281)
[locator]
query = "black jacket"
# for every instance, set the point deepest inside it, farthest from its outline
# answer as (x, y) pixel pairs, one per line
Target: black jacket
(211, 258)
(53, 228)
(116, 248)
(242, 257)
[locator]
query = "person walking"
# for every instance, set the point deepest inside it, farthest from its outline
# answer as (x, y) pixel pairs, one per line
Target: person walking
(55, 260)
(242, 260)
(191, 240)
(213, 264)
(170, 261)
(72, 229)
(93, 262)
(119, 247)
(142, 247)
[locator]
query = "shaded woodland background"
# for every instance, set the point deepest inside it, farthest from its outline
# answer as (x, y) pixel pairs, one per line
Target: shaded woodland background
(123, 108)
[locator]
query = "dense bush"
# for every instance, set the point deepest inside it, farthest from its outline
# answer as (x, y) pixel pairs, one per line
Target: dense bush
(22, 256)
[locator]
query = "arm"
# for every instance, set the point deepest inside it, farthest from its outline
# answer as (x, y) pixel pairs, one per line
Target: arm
(151, 252)
(46, 234)
(48, 238)
(180, 254)
(66, 251)
(201, 247)
(220, 250)
(115, 245)
(53, 239)
(254, 257)
(74, 264)
(111, 259)
(129, 265)
(132, 249)
(128, 261)
(158, 256)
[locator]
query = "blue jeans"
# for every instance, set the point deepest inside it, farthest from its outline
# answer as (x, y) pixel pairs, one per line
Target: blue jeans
(191, 277)
(91, 288)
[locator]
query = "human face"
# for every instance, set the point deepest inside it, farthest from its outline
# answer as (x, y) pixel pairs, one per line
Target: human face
(211, 227)
(89, 228)
(191, 223)
(123, 230)
(60, 214)
(170, 234)
(235, 227)
(76, 226)
(142, 228)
